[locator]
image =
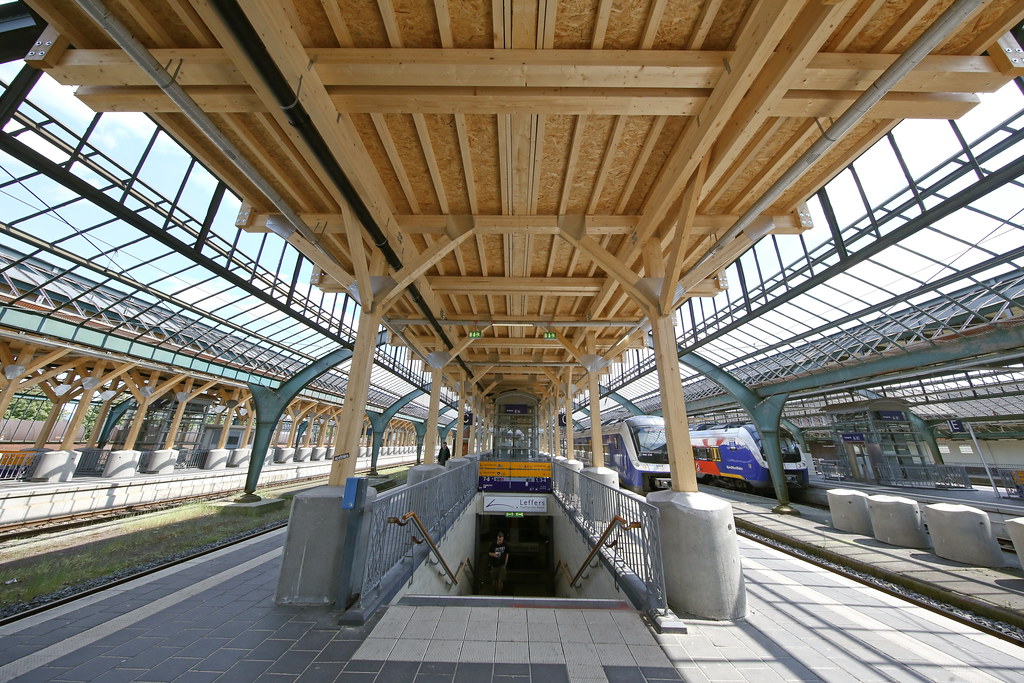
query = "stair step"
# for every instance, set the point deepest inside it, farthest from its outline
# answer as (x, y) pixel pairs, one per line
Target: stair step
(511, 601)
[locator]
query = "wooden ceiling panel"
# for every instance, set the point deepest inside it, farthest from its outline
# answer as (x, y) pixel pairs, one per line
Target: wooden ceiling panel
(471, 23)
(554, 139)
(364, 22)
(377, 150)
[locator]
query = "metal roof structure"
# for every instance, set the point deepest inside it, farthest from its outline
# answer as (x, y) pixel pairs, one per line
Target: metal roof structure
(232, 179)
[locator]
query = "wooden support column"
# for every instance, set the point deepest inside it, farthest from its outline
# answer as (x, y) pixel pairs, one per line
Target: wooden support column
(458, 429)
(670, 382)
(556, 449)
(596, 436)
(430, 440)
(51, 422)
(354, 408)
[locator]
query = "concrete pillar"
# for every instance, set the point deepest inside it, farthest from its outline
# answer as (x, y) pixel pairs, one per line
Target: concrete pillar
(160, 462)
(317, 453)
(1015, 527)
(963, 534)
(302, 453)
(239, 457)
(217, 459)
(124, 464)
(701, 555)
(55, 466)
(313, 559)
(605, 475)
(418, 473)
(574, 465)
(850, 511)
(283, 454)
(897, 521)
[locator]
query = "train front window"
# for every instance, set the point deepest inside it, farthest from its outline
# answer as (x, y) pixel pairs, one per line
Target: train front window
(650, 444)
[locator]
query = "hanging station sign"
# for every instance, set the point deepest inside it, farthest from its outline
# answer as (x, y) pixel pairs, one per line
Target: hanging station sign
(510, 476)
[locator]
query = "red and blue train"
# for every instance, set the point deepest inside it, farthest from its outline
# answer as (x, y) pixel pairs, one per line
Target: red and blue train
(729, 455)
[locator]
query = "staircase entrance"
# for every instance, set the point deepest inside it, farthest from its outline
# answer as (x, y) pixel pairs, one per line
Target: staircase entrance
(531, 568)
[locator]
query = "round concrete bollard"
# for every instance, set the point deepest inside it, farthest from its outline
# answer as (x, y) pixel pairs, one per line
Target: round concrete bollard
(897, 521)
(963, 534)
(699, 543)
(55, 466)
(217, 459)
(849, 511)
(574, 465)
(419, 473)
(122, 464)
(239, 457)
(162, 461)
(302, 454)
(318, 453)
(283, 454)
(1015, 527)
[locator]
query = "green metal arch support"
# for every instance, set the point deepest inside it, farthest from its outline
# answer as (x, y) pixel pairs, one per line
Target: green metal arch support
(765, 412)
(379, 422)
(270, 404)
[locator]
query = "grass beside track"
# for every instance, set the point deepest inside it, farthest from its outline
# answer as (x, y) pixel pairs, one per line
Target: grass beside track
(46, 566)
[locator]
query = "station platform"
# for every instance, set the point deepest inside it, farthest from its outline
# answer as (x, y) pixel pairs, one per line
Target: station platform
(214, 619)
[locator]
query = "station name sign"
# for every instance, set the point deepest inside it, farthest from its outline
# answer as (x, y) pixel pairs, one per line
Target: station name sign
(517, 504)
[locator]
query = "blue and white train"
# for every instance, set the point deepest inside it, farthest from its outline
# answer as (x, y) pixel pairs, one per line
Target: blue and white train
(729, 455)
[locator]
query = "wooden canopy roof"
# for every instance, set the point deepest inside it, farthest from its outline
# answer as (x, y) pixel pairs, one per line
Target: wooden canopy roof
(566, 166)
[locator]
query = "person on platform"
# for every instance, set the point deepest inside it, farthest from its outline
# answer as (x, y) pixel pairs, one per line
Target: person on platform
(443, 454)
(499, 562)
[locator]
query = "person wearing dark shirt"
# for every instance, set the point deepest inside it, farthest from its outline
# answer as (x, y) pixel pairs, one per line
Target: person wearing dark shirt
(499, 562)
(443, 454)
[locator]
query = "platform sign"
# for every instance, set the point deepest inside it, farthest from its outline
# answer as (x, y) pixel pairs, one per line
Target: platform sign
(515, 409)
(561, 420)
(891, 415)
(515, 477)
(854, 437)
(956, 426)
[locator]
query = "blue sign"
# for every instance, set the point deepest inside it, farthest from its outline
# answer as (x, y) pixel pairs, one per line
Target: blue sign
(467, 419)
(891, 415)
(956, 426)
(516, 409)
(561, 419)
(853, 437)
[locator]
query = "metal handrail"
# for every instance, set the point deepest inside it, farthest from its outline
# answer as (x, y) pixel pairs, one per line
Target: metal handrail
(600, 542)
(426, 536)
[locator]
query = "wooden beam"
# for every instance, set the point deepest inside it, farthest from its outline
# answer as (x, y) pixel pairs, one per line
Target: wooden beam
(568, 286)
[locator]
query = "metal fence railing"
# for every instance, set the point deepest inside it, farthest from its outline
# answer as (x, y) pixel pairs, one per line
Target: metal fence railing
(191, 458)
(923, 476)
(16, 465)
(437, 501)
(592, 506)
(92, 462)
(834, 471)
(1013, 482)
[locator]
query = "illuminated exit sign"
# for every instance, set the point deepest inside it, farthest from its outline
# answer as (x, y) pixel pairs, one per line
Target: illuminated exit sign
(550, 335)
(475, 334)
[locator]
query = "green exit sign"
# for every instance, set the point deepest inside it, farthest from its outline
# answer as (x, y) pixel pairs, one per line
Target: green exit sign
(475, 334)
(550, 335)
(513, 514)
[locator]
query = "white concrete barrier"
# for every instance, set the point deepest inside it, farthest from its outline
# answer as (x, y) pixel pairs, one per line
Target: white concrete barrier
(239, 457)
(1015, 527)
(162, 461)
(963, 534)
(55, 466)
(850, 511)
(216, 459)
(317, 453)
(302, 454)
(122, 464)
(897, 521)
(283, 454)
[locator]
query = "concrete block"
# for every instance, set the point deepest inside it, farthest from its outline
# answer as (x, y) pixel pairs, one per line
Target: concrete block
(897, 521)
(250, 509)
(239, 457)
(329, 453)
(162, 461)
(963, 534)
(283, 454)
(217, 459)
(1015, 527)
(605, 475)
(701, 555)
(418, 473)
(320, 536)
(317, 453)
(850, 511)
(123, 464)
(55, 466)
(302, 454)
(574, 465)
